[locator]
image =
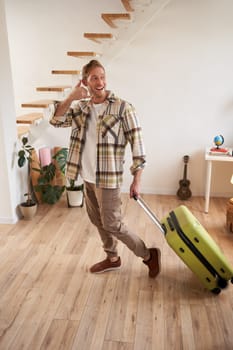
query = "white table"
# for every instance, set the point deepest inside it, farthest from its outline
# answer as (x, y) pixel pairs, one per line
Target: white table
(209, 159)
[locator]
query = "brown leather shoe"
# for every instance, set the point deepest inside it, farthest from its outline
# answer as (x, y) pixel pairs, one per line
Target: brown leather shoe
(154, 263)
(106, 265)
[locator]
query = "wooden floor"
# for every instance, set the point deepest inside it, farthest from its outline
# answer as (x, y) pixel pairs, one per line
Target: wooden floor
(49, 300)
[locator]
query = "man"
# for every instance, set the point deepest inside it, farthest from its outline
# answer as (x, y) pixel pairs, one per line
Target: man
(102, 125)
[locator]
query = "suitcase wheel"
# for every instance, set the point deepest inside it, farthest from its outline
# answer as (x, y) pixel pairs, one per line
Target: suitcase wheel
(216, 291)
(222, 283)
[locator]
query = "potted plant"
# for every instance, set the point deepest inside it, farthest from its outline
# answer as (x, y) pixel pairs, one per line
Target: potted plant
(50, 191)
(29, 207)
(74, 194)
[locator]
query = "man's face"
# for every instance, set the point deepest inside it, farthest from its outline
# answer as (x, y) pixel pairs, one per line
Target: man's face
(96, 83)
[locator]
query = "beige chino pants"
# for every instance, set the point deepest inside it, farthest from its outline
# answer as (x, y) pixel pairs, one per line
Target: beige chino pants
(104, 210)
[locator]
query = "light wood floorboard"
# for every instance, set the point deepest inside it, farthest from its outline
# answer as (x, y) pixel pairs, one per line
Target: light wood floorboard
(49, 300)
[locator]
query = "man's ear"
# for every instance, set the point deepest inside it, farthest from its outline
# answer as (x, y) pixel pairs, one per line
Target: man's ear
(84, 82)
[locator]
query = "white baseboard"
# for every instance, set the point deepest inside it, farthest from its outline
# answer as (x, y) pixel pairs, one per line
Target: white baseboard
(9, 221)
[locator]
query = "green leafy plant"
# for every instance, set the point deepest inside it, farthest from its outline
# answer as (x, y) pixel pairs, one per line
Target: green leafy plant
(51, 193)
(71, 187)
(61, 157)
(24, 157)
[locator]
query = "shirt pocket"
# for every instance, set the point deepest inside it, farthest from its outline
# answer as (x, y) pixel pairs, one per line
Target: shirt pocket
(110, 125)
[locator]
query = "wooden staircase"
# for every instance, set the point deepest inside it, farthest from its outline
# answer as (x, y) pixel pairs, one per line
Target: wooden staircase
(61, 90)
(99, 37)
(22, 130)
(83, 54)
(66, 72)
(37, 104)
(112, 18)
(114, 21)
(127, 5)
(57, 88)
(29, 118)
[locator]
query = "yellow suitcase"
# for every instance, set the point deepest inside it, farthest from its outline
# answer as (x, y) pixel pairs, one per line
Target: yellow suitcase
(192, 243)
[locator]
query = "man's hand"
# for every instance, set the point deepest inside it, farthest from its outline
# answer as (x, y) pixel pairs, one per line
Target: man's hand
(135, 186)
(78, 92)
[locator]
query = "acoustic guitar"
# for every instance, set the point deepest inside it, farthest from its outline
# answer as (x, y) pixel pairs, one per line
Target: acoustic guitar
(184, 191)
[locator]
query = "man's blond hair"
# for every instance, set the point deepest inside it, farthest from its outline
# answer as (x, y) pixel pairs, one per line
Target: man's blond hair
(89, 66)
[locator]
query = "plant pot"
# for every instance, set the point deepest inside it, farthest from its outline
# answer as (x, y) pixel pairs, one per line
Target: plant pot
(74, 198)
(28, 212)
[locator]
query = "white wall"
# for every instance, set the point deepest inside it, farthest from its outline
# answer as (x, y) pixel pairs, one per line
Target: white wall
(178, 73)
(7, 131)
(176, 69)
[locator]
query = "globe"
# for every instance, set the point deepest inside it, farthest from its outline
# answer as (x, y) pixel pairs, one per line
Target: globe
(218, 140)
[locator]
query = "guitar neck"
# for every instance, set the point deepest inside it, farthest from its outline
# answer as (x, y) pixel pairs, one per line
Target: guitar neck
(185, 172)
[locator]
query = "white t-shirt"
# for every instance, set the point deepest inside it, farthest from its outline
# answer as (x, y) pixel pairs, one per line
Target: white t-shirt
(89, 156)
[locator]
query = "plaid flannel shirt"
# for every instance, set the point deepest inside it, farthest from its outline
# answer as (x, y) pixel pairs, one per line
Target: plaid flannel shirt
(117, 126)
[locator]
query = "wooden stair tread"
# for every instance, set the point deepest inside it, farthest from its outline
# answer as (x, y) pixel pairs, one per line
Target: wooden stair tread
(132, 5)
(29, 118)
(109, 18)
(57, 88)
(37, 104)
(83, 54)
(22, 129)
(69, 72)
(98, 37)
(127, 5)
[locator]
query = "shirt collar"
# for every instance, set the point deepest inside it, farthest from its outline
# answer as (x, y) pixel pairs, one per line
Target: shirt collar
(85, 104)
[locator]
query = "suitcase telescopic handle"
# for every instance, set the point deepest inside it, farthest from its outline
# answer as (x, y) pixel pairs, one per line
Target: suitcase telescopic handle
(150, 213)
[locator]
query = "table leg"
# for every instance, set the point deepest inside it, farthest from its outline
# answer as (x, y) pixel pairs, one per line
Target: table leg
(207, 185)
